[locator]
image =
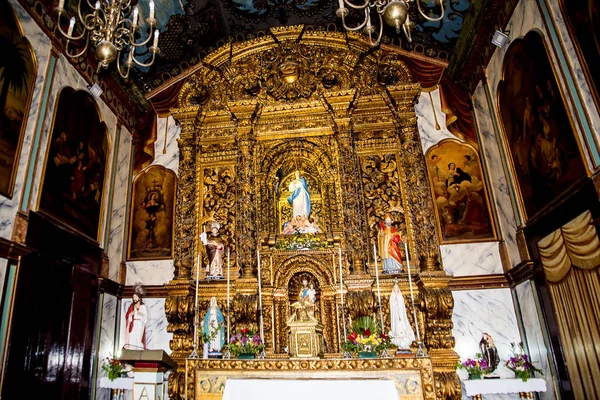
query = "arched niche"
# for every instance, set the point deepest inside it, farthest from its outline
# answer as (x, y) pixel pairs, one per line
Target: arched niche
(17, 83)
(76, 163)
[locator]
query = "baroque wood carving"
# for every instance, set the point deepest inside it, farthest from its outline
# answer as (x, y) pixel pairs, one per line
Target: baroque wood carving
(342, 115)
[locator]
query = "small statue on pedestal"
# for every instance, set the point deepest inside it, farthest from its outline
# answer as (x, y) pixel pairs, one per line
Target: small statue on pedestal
(215, 248)
(212, 329)
(304, 308)
(388, 240)
(401, 334)
(489, 352)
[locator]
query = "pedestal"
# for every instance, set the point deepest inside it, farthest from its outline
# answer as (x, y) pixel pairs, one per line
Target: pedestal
(149, 367)
(306, 339)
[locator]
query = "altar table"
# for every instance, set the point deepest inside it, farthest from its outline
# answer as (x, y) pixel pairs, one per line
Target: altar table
(314, 389)
(478, 387)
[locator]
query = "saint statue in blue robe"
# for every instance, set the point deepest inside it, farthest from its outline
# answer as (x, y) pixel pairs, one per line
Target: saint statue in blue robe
(300, 198)
(212, 327)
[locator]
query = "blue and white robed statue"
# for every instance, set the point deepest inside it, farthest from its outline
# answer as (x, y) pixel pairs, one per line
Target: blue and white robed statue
(212, 328)
(300, 198)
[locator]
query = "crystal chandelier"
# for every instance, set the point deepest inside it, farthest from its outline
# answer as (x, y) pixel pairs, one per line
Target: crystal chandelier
(111, 31)
(393, 12)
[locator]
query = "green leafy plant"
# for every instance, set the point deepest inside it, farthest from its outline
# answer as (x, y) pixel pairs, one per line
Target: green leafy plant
(245, 341)
(208, 337)
(301, 241)
(366, 335)
(519, 363)
(112, 367)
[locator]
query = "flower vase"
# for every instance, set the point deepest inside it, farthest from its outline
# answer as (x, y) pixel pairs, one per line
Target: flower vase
(367, 354)
(246, 356)
(474, 376)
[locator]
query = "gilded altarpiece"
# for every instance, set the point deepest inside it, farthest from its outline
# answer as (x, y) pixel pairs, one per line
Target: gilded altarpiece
(307, 104)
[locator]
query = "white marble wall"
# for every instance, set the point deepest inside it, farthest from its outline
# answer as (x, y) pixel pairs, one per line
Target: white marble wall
(158, 272)
(426, 120)
(157, 337)
(117, 235)
(490, 150)
(471, 259)
(107, 340)
(534, 338)
(490, 311)
(40, 44)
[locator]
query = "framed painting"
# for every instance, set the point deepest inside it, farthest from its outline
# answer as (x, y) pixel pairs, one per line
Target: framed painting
(152, 214)
(74, 173)
(459, 192)
(17, 80)
(583, 21)
(543, 147)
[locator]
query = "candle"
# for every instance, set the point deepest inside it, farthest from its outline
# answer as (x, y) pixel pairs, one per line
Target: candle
(342, 292)
(151, 9)
(156, 33)
(341, 4)
(130, 57)
(135, 16)
(97, 5)
(412, 297)
(378, 289)
(228, 313)
(61, 4)
(262, 332)
(71, 26)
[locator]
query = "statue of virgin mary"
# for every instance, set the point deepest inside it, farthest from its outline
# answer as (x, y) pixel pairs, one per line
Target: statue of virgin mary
(401, 334)
(300, 198)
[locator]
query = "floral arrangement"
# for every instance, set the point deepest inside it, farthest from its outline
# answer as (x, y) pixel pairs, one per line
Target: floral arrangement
(299, 241)
(208, 337)
(475, 366)
(366, 335)
(112, 367)
(245, 341)
(519, 363)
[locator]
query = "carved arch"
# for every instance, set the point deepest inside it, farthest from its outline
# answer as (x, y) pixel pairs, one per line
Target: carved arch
(303, 263)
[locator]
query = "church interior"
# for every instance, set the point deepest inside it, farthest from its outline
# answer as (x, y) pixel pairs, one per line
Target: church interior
(230, 199)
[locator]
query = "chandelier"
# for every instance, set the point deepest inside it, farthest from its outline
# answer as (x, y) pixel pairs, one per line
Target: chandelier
(393, 12)
(111, 32)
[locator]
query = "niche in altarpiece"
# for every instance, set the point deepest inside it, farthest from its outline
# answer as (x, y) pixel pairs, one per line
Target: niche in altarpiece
(152, 207)
(459, 192)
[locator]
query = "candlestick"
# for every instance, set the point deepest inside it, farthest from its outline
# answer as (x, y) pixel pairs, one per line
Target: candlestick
(156, 33)
(71, 26)
(135, 16)
(194, 353)
(346, 353)
(228, 313)
(378, 289)
(262, 333)
(420, 350)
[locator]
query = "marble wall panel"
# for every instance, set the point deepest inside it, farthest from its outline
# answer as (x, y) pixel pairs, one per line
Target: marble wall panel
(117, 234)
(41, 47)
(534, 336)
(490, 151)
(106, 347)
(151, 272)
(157, 337)
(426, 120)
(471, 259)
(490, 311)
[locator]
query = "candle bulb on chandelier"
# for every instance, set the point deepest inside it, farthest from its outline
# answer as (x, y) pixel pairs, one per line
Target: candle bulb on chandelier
(135, 16)
(61, 4)
(151, 9)
(71, 26)
(97, 5)
(156, 33)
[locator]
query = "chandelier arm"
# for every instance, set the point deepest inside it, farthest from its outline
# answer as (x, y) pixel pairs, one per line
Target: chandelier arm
(361, 7)
(145, 42)
(126, 75)
(429, 18)
(96, 20)
(141, 64)
(359, 27)
(87, 42)
(380, 32)
(65, 34)
(93, 15)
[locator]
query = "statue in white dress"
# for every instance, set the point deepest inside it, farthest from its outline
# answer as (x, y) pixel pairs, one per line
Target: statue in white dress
(300, 198)
(401, 334)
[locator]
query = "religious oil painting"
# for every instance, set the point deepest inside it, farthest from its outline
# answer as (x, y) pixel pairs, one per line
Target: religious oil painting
(460, 194)
(152, 207)
(17, 79)
(543, 147)
(583, 20)
(75, 168)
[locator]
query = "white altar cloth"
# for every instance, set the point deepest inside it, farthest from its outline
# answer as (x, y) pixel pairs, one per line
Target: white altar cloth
(314, 389)
(502, 386)
(119, 383)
